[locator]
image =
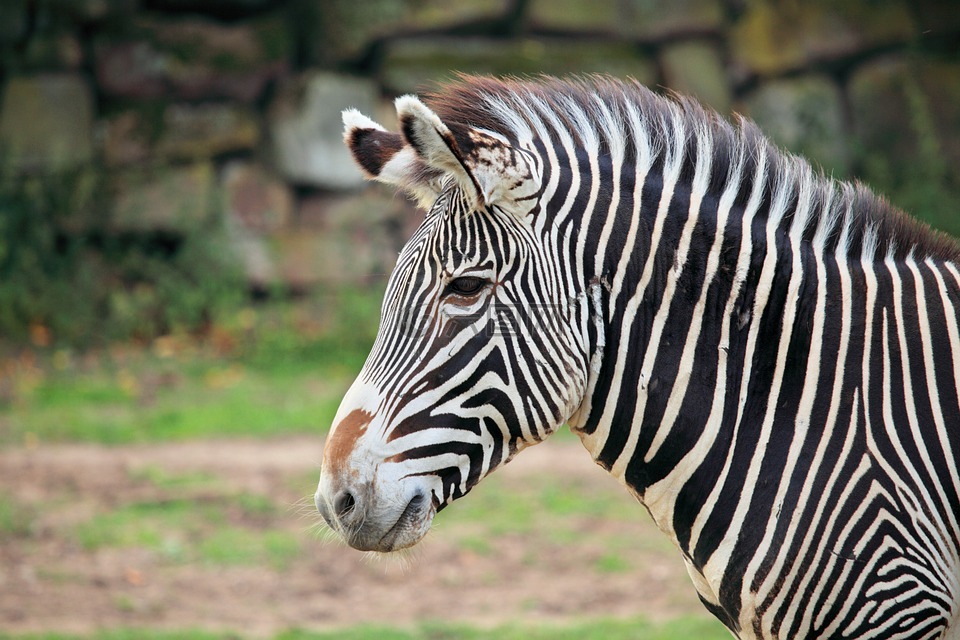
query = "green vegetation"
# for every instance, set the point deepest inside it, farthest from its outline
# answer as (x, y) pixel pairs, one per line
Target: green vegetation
(927, 187)
(683, 629)
(163, 480)
(67, 277)
(541, 497)
(260, 371)
(590, 630)
(220, 532)
(561, 514)
(16, 520)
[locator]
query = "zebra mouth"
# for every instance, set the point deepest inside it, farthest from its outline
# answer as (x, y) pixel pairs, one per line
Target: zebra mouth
(409, 527)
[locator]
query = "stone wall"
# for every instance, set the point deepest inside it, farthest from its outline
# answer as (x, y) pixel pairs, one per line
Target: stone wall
(193, 108)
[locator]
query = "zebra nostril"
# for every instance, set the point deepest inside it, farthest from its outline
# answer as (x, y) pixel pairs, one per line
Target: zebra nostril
(344, 504)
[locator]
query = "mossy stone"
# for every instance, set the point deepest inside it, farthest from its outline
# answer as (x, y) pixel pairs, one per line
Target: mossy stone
(341, 240)
(650, 20)
(771, 38)
(173, 199)
(342, 30)
(804, 115)
(191, 59)
(306, 130)
(207, 130)
(415, 64)
(46, 121)
(660, 19)
(901, 108)
(603, 16)
(695, 67)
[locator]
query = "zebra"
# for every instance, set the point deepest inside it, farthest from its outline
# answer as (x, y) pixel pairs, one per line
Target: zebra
(767, 358)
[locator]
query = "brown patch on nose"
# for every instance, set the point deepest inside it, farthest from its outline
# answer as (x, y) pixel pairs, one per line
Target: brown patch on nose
(340, 445)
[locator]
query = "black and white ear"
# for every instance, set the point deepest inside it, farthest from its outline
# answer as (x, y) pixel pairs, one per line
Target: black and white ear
(485, 165)
(385, 157)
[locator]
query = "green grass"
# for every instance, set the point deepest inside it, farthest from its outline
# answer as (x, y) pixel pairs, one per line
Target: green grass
(489, 507)
(562, 514)
(613, 563)
(266, 371)
(681, 629)
(162, 479)
(220, 533)
(125, 634)
(16, 520)
(263, 372)
(256, 405)
(237, 546)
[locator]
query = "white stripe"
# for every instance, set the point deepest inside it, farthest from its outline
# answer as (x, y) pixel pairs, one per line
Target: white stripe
(673, 163)
(701, 182)
(716, 566)
(660, 316)
(720, 390)
(934, 396)
(801, 431)
(831, 425)
(752, 478)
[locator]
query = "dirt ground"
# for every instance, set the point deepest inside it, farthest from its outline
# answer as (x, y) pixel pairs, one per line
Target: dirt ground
(50, 582)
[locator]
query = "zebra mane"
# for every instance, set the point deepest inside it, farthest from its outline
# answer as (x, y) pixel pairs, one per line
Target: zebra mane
(595, 111)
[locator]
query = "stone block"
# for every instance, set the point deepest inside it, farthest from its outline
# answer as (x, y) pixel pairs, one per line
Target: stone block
(254, 198)
(880, 105)
(940, 82)
(191, 59)
(804, 115)
(127, 137)
(657, 19)
(695, 67)
(178, 131)
(338, 30)
(172, 199)
(46, 121)
(306, 129)
(253, 255)
(255, 203)
(206, 130)
(59, 50)
(770, 38)
(413, 64)
(599, 16)
(648, 20)
(343, 239)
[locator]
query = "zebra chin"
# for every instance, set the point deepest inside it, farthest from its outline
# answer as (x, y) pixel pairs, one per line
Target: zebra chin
(409, 529)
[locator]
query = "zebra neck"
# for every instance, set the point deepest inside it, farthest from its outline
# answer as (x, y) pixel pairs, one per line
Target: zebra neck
(683, 294)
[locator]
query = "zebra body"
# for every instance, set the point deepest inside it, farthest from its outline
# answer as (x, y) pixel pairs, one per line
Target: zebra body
(767, 359)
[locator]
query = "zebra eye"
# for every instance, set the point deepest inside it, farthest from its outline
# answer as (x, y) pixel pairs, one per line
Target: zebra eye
(466, 286)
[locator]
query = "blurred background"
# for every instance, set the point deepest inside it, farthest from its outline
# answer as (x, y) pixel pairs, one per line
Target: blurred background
(191, 270)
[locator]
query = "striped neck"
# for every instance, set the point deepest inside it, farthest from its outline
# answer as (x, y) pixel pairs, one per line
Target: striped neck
(687, 229)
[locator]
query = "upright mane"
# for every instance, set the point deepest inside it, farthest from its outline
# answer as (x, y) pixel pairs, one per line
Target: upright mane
(594, 110)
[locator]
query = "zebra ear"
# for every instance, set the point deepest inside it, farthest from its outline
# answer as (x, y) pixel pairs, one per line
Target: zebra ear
(385, 157)
(484, 163)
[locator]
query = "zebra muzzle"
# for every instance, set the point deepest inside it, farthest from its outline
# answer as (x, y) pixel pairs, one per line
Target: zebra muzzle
(370, 521)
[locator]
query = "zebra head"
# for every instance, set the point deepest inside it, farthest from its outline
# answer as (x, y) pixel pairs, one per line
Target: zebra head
(481, 349)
